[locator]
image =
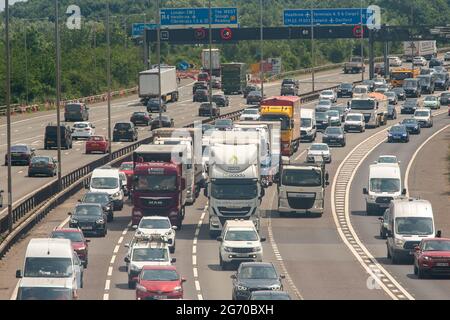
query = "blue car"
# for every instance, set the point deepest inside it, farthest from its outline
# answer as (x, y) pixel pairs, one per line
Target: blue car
(412, 125)
(398, 133)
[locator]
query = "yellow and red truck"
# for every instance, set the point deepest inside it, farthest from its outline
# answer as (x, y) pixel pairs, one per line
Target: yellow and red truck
(285, 109)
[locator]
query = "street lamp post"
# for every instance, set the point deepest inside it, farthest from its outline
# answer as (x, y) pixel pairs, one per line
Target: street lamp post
(362, 40)
(158, 54)
(210, 57)
(58, 93)
(108, 40)
(261, 33)
(8, 114)
(313, 59)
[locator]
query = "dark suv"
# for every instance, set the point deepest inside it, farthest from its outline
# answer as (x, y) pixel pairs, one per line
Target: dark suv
(412, 88)
(201, 95)
(125, 131)
(205, 110)
(426, 83)
(50, 138)
(76, 112)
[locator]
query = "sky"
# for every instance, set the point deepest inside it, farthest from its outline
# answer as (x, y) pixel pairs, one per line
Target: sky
(2, 3)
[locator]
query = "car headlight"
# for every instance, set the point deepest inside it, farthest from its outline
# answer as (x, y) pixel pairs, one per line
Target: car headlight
(390, 134)
(257, 249)
(275, 287)
(116, 195)
(73, 221)
(227, 249)
(399, 242)
(134, 268)
(242, 288)
(427, 258)
(178, 288)
(341, 136)
(404, 134)
(100, 221)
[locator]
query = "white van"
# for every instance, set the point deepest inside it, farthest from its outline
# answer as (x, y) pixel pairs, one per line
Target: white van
(385, 184)
(308, 130)
(51, 258)
(107, 179)
(410, 221)
(360, 91)
(46, 289)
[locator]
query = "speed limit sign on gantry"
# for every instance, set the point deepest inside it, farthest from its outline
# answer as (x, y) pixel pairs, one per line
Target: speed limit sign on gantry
(358, 31)
(226, 34)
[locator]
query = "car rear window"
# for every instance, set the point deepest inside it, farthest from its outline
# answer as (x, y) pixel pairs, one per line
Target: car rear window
(19, 149)
(96, 138)
(73, 107)
(40, 159)
(122, 126)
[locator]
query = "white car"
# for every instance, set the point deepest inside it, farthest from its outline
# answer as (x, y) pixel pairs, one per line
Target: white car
(82, 130)
(239, 241)
(419, 61)
(431, 102)
(424, 117)
(329, 95)
(354, 122)
(250, 114)
(157, 225)
(318, 150)
(395, 61)
(387, 159)
(146, 251)
(447, 56)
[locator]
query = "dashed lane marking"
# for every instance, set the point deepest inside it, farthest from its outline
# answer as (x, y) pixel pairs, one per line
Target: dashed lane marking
(194, 255)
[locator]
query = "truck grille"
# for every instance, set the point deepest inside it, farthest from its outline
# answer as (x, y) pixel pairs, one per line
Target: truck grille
(301, 203)
(235, 212)
(384, 199)
(224, 219)
(410, 244)
(155, 203)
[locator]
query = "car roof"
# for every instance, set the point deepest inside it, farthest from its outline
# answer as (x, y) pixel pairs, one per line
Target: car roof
(49, 247)
(384, 170)
(405, 207)
(239, 224)
(257, 264)
(46, 282)
(67, 230)
(154, 218)
(166, 267)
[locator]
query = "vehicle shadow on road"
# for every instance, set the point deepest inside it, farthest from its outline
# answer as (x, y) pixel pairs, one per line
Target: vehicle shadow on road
(122, 269)
(274, 214)
(122, 286)
(217, 267)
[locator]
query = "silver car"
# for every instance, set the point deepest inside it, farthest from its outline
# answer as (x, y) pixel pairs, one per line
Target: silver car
(318, 150)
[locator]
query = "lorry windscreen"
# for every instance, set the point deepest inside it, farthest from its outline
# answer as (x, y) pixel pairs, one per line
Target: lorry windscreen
(48, 267)
(285, 123)
(410, 84)
(156, 183)
(302, 178)
(362, 104)
(305, 123)
(414, 225)
(384, 185)
(400, 75)
(44, 293)
(234, 189)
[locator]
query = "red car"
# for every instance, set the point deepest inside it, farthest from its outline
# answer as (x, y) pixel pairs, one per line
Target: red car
(97, 144)
(79, 242)
(159, 282)
(449, 110)
(127, 168)
(432, 256)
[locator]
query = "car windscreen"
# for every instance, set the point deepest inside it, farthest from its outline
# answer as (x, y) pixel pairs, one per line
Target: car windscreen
(302, 178)
(159, 275)
(390, 94)
(126, 166)
(346, 86)
(304, 122)
(360, 90)
(430, 98)
(436, 245)
(72, 236)
(122, 126)
(139, 114)
(333, 113)
(319, 147)
(324, 103)
(167, 183)
(48, 267)
(408, 121)
(321, 116)
(362, 104)
(384, 185)
(40, 160)
(234, 189)
(223, 122)
(154, 224)
(250, 111)
(150, 254)
(241, 235)
(354, 118)
(387, 160)
(425, 81)
(19, 149)
(400, 75)
(86, 210)
(44, 293)
(333, 130)
(80, 125)
(414, 226)
(441, 76)
(398, 129)
(73, 108)
(96, 197)
(104, 183)
(410, 84)
(257, 272)
(422, 114)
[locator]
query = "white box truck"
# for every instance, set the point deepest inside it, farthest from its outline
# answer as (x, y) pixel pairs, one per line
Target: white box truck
(215, 53)
(426, 49)
(149, 84)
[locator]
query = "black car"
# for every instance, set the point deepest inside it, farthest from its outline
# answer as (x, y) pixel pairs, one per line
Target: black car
(409, 106)
(50, 138)
(164, 122)
(435, 62)
(322, 120)
(426, 83)
(392, 97)
(90, 218)
(20, 153)
(370, 84)
(255, 276)
(293, 82)
(103, 199)
(223, 124)
(43, 165)
(411, 125)
(249, 89)
(207, 109)
(345, 90)
(289, 90)
(125, 131)
(398, 132)
(76, 112)
(442, 81)
(153, 105)
(269, 295)
(199, 85)
(254, 97)
(334, 136)
(392, 112)
(412, 88)
(444, 99)
(400, 93)
(216, 83)
(379, 69)
(201, 95)
(221, 100)
(140, 117)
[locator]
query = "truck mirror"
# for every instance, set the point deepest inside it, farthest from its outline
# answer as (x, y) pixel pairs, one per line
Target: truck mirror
(205, 191)
(220, 239)
(365, 191)
(404, 192)
(18, 274)
(438, 234)
(327, 176)
(389, 233)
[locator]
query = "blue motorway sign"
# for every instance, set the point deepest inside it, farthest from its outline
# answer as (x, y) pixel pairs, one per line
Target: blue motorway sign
(302, 17)
(198, 17)
(138, 28)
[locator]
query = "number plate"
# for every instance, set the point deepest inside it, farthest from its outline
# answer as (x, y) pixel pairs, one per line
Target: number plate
(86, 228)
(160, 297)
(442, 264)
(94, 145)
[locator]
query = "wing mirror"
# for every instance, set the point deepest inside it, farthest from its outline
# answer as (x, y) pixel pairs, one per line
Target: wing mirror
(233, 276)
(174, 228)
(263, 239)
(416, 248)
(438, 234)
(365, 191)
(135, 227)
(404, 192)
(173, 260)
(126, 259)
(183, 183)
(205, 191)
(220, 239)
(18, 274)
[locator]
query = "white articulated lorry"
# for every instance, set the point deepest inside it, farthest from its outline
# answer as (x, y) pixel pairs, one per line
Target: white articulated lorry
(149, 84)
(426, 49)
(234, 184)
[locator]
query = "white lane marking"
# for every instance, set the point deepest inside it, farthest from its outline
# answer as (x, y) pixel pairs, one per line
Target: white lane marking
(197, 285)
(120, 240)
(110, 270)
(14, 294)
(194, 249)
(116, 249)
(106, 296)
(301, 153)
(199, 297)
(107, 284)
(408, 169)
(194, 254)
(194, 260)
(113, 259)
(195, 272)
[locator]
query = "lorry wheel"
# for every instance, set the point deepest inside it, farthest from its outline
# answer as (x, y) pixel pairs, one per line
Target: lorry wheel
(131, 284)
(394, 259)
(416, 270)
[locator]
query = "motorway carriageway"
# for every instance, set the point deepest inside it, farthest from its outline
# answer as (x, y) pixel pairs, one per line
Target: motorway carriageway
(309, 251)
